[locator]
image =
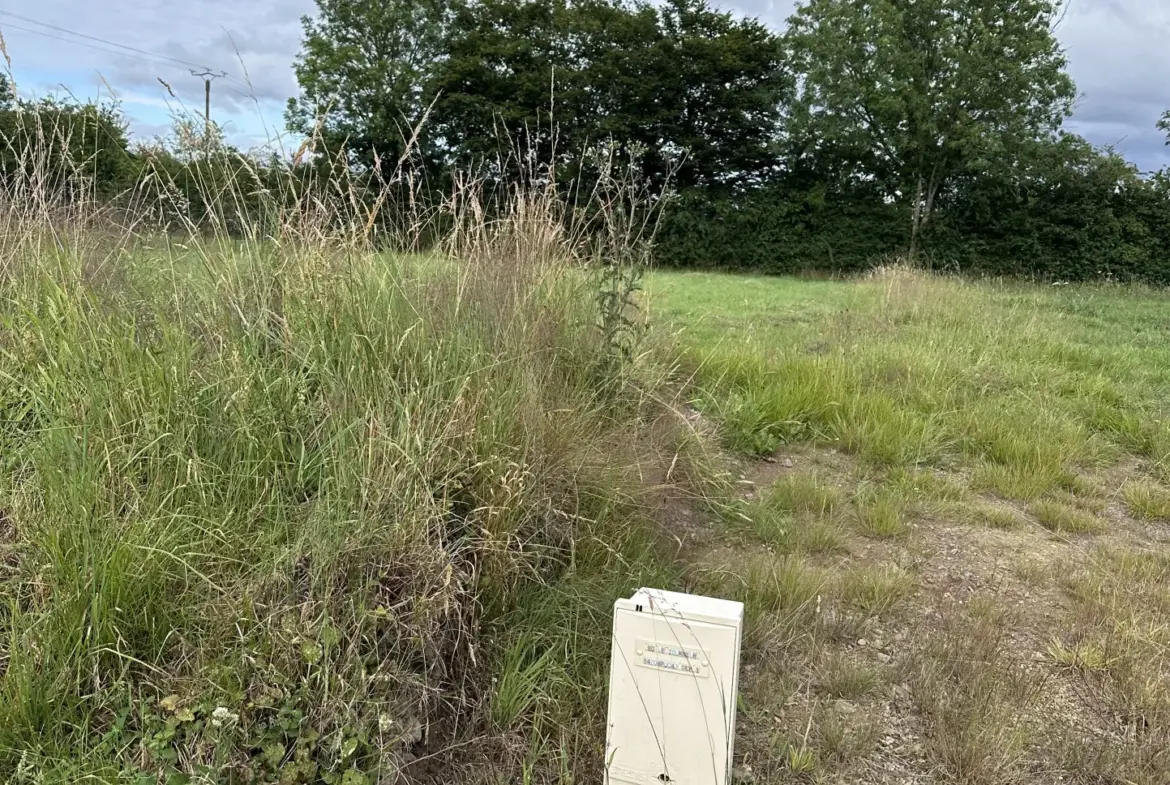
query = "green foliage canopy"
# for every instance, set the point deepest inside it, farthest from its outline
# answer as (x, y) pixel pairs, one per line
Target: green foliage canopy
(918, 91)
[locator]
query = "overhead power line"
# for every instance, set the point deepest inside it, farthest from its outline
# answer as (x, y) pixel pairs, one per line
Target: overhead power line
(11, 26)
(154, 56)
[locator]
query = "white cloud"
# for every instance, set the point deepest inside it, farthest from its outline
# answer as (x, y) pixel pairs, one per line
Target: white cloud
(138, 99)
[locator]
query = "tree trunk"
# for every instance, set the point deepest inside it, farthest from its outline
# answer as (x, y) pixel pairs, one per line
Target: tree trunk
(916, 220)
(924, 206)
(928, 210)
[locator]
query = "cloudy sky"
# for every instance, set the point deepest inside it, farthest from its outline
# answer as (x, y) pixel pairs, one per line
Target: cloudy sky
(1117, 52)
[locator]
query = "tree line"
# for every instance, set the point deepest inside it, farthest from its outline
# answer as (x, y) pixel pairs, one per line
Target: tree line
(862, 130)
(55, 153)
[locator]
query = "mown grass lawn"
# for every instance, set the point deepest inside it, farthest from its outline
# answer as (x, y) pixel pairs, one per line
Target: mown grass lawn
(952, 537)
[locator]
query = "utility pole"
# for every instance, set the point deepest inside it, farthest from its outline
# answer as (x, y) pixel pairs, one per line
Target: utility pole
(207, 76)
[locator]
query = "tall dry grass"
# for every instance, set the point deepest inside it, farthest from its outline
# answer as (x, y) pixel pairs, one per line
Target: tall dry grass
(285, 506)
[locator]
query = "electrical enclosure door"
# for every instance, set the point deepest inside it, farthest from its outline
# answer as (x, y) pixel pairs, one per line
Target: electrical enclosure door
(672, 690)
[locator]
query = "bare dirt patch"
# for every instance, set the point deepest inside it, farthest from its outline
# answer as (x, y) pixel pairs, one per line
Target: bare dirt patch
(946, 653)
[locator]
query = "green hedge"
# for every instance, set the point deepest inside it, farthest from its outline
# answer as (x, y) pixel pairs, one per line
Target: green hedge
(780, 230)
(1073, 214)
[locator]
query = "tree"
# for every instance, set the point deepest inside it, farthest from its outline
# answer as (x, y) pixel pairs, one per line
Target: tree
(1164, 125)
(7, 93)
(671, 79)
(914, 91)
(191, 139)
(507, 74)
(724, 81)
(65, 146)
(365, 70)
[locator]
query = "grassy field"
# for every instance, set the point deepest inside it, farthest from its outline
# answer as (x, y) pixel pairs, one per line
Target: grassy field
(952, 528)
(295, 510)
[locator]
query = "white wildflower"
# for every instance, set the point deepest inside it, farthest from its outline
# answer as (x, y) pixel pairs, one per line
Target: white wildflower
(222, 716)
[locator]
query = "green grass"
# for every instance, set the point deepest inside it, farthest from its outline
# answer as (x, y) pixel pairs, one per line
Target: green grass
(974, 410)
(998, 517)
(803, 493)
(799, 534)
(269, 509)
(876, 591)
(1148, 501)
(881, 513)
(796, 515)
(1061, 517)
(840, 677)
(1025, 385)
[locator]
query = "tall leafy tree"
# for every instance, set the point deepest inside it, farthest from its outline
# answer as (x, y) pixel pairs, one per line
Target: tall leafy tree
(723, 81)
(680, 80)
(510, 75)
(913, 91)
(365, 70)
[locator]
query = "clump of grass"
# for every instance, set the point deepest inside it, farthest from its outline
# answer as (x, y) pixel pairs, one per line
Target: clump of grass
(1121, 654)
(927, 486)
(1033, 572)
(1059, 517)
(998, 516)
(1147, 501)
(881, 514)
(1024, 481)
(1083, 655)
(841, 677)
(802, 534)
(846, 737)
(796, 516)
(765, 402)
(876, 590)
(800, 760)
(1080, 486)
(803, 493)
(782, 599)
(885, 434)
(972, 694)
(1085, 501)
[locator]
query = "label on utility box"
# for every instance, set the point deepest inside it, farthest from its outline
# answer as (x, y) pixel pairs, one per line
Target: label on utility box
(672, 658)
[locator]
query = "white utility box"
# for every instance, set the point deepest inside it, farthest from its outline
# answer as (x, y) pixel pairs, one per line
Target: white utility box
(673, 679)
